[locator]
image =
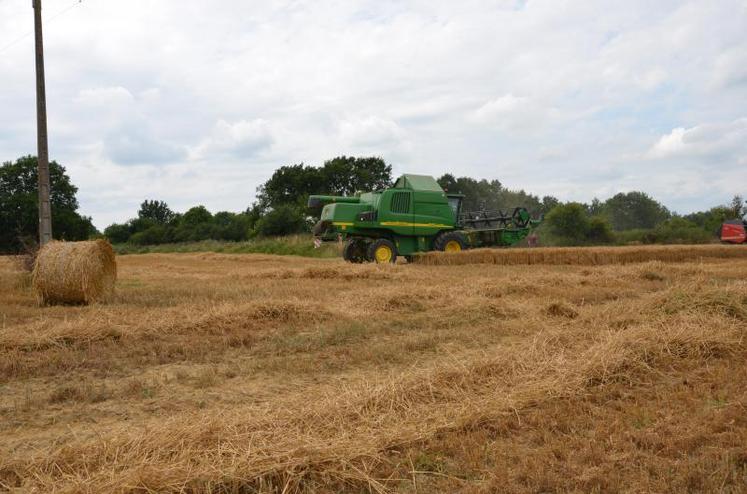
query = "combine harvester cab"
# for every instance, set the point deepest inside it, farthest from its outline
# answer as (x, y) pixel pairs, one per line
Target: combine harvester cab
(414, 216)
(734, 231)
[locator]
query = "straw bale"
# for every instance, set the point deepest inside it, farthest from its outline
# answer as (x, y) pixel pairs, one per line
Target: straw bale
(74, 272)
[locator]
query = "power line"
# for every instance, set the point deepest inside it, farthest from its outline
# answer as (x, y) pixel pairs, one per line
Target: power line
(46, 21)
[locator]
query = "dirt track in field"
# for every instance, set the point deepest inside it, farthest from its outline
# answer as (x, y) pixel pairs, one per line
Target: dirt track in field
(213, 373)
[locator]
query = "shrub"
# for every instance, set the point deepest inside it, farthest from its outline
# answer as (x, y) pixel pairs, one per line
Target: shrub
(154, 235)
(599, 231)
(635, 236)
(196, 224)
(283, 220)
(680, 231)
(196, 215)
(187, 232)
(231, 226)
(634, 210)
(570, 224)
(117, 233)
(672, 231)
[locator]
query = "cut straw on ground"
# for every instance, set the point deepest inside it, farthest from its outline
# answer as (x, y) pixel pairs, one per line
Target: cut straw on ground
(583, 256)
(212, 373)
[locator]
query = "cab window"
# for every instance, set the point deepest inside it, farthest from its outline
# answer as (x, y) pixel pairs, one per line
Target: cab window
(454, 203)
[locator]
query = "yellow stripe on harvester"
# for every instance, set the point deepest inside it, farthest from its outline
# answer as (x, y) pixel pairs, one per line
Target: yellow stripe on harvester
(421, 225)
(342, 224)
(345, 224)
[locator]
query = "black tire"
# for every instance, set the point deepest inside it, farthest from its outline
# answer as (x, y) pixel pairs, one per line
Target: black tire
(354, 251)
(376, 255)
(450, 241)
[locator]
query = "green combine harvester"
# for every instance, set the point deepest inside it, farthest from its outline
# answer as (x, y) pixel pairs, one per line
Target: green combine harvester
(415, 215)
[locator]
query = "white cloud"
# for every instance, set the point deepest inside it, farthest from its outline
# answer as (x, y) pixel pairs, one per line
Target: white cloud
(105, 96)
(652, 79)
(670, 144)
(242, 139)
(730, 68)
(726, 141)
(501, 107)
(371, 132)
(514, 114)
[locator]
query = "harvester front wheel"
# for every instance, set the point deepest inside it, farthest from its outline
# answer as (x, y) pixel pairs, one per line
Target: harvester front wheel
(354, 251)
(450, 242)
(382, 251)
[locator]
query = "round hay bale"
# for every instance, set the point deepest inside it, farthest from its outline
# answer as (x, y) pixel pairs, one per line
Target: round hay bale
(74, 272)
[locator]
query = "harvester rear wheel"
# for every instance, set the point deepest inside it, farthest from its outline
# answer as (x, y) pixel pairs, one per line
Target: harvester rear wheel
(450, 242)
(354, 251)
(382, 251)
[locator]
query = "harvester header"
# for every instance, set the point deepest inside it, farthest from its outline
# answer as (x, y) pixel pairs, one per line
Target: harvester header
(416, 215)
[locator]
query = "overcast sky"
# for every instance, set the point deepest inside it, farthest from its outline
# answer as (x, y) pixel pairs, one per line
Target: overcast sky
(197, 102)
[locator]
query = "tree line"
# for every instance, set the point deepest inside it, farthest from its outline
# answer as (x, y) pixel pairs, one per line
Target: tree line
(635, 217)
(280, 209)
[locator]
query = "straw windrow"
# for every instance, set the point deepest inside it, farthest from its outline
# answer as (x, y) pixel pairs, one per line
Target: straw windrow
(584, 256)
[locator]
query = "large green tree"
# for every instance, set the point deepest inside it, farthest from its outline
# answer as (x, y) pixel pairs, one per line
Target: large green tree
(281, 201)
(549, 203)
(345, 175)
(478, 194)
(290, 184)
(156, 211)
(19, 208)
(630, 210)
(490, 195)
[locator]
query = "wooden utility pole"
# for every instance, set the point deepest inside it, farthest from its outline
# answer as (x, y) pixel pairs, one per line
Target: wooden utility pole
(45, 210)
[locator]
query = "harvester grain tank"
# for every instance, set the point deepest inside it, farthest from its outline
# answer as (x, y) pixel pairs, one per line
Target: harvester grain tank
(416, 215)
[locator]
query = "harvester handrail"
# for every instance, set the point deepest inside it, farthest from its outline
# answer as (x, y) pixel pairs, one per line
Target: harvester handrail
(319, 200)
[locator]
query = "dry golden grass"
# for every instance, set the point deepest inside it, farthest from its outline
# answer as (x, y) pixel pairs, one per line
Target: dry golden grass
(586, 256)
(254, 373)
(74, 272)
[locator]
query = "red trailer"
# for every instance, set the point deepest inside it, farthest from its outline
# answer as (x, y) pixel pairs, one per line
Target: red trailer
(734, 232)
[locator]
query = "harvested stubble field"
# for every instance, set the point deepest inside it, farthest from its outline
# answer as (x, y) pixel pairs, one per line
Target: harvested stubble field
(255, 373)
(587, 256)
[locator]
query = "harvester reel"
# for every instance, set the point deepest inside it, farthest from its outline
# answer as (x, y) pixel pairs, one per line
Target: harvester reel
(486, 219)
(520, 217)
